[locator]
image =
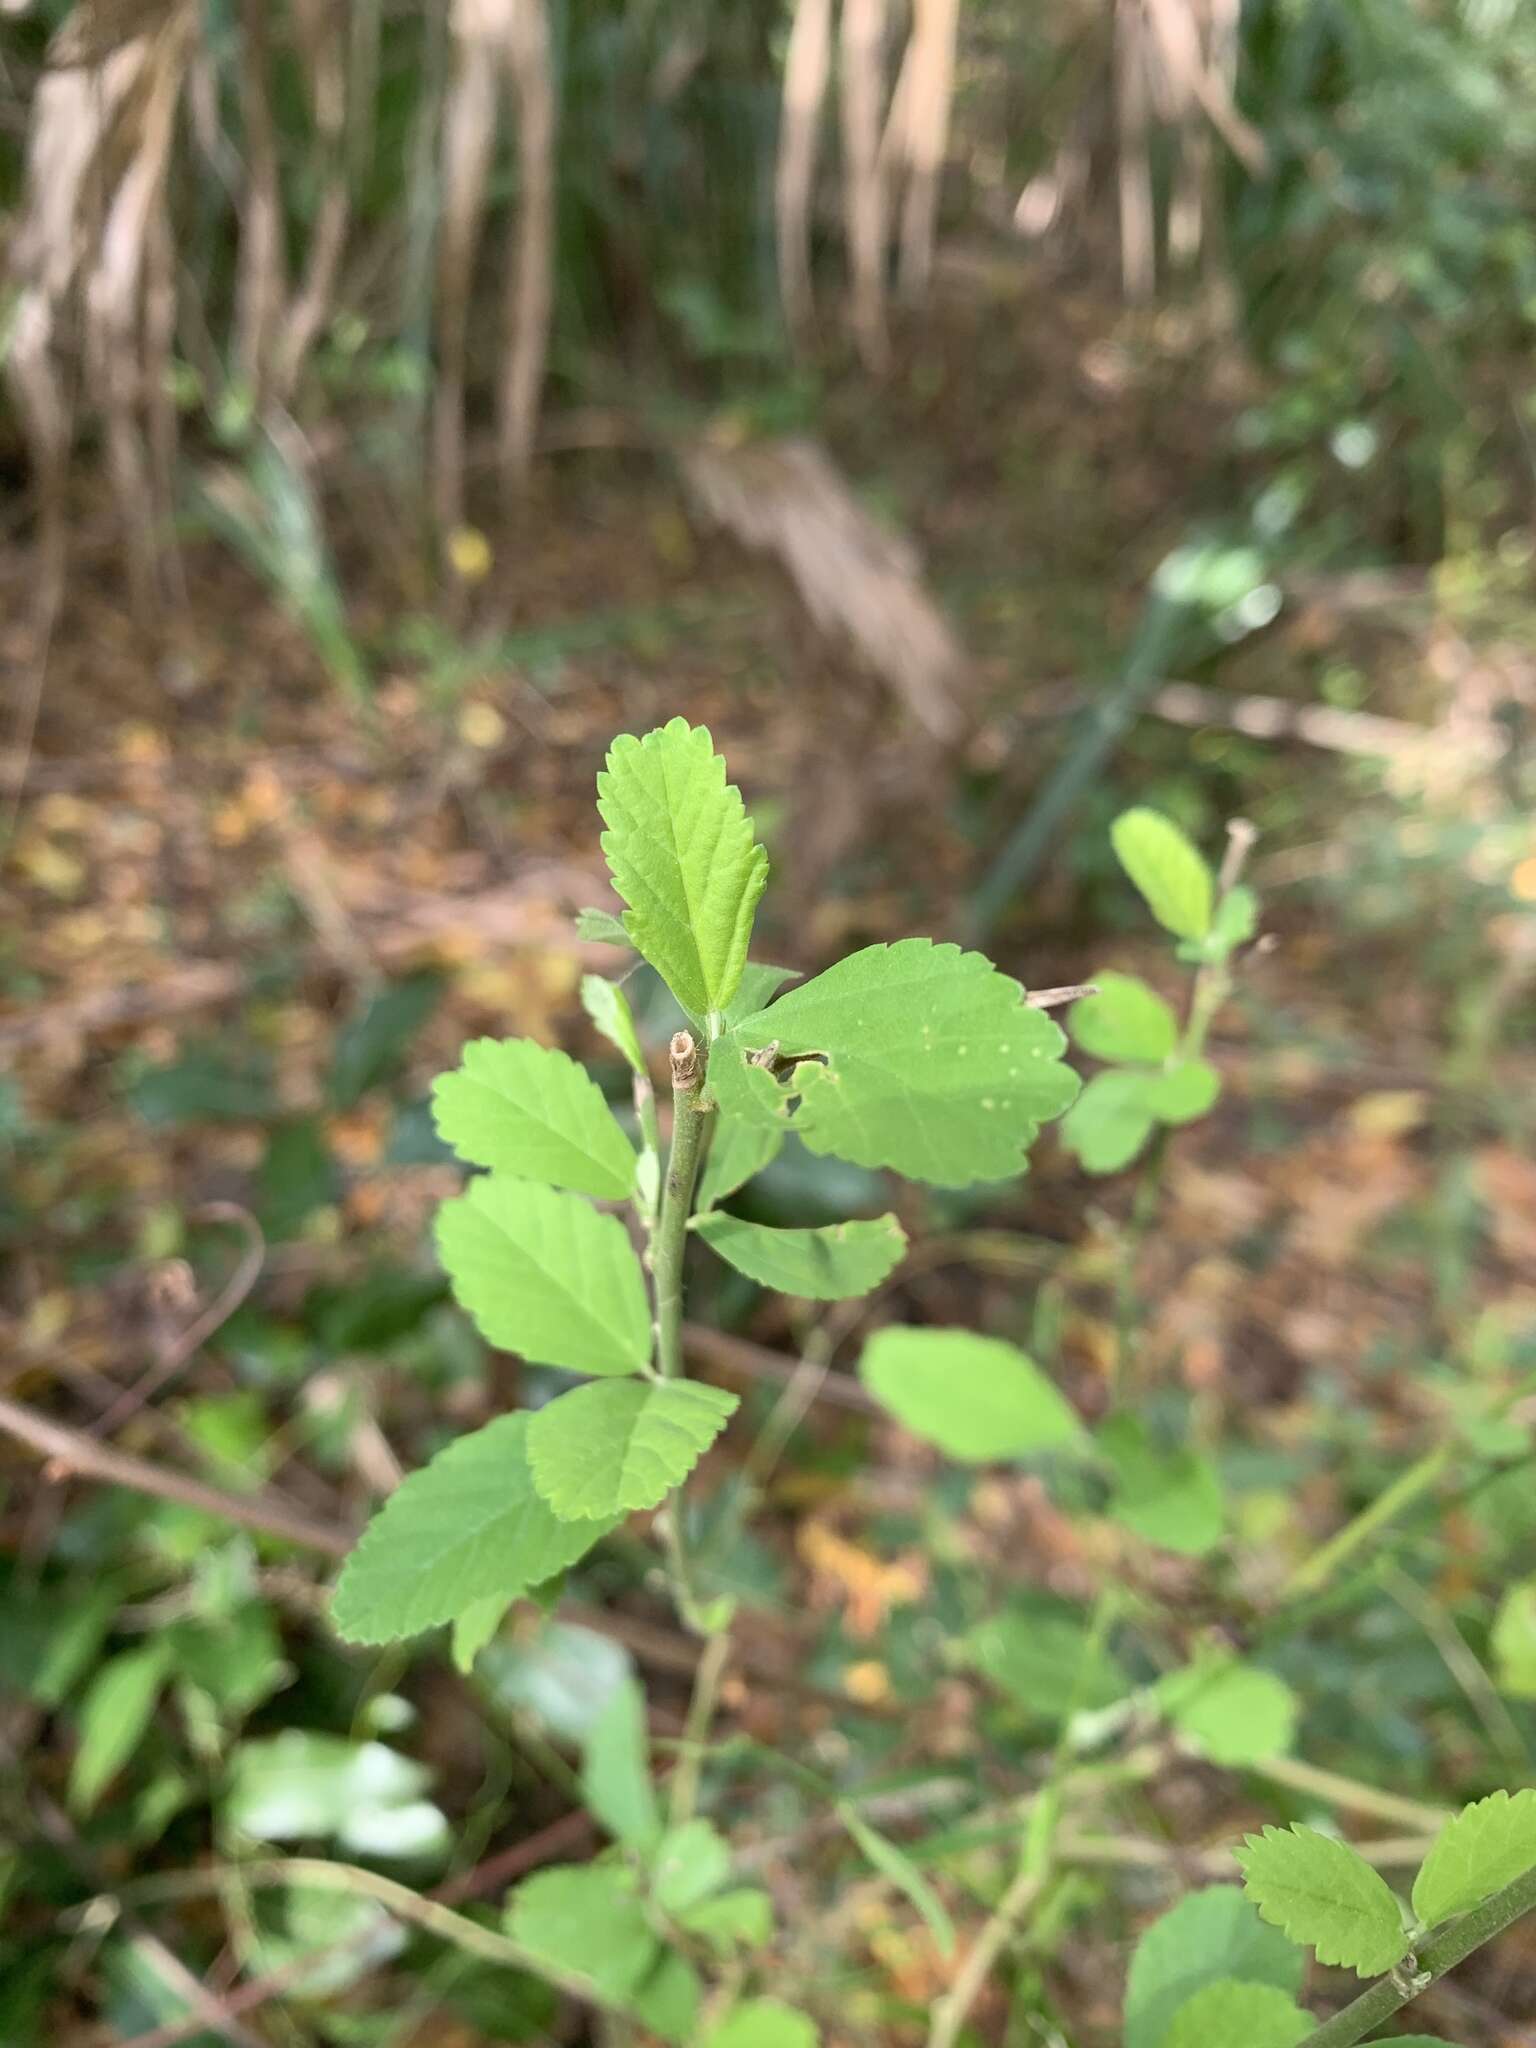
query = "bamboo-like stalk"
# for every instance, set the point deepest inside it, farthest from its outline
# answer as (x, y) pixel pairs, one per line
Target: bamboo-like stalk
(931, 55)
(862, 48)
(469, 133)
(530, 280)
(1138, 230)
(807, 67)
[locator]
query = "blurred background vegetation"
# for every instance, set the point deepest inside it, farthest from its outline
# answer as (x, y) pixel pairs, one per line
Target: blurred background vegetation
(981, 416)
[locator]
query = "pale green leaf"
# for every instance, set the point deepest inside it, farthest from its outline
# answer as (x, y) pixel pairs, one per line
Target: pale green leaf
(737, 1150)
(976, 1398)
(1184, 1091)
(898, 1867)
(532, 1111)
(1171, 1498)
(474, 1628)
(690, 1865)
(681, 851)
(608, 1007)
(1228, 2011)
(466, 1528)
(602, 928)
(544, 1274)
(1208, 1935)
(760, 983)
(1126, 1020)
(1111, 1120)
(1232, 1713)
(1513, 1641)
(830, 1264)
(1413, 2041)
(586, 1922)
(667, 2003)
(302, 1784)
(113, 1717)
(606, 1449)
(1483, 1848)
(616, 1770)
(1166, 869)
(915, 1056)
(1045, 1661)
(1319, 1891)
(764, 2023)
(736, 1919)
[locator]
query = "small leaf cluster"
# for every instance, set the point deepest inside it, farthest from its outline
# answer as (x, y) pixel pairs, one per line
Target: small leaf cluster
(1155, 1075)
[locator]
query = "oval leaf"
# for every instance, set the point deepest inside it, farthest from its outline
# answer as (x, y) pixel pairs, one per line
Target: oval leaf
(606, 1449)
(830, 1264)
(616, 1767)
(1184, 1091)
(681, 851)
(1126, 1020)
(1111, 1120)
(915, 1056)
(763, 2023)
(1485, 1847)
(1257, 2015)
(1231, 1713)
(1210, 1934)
(1168, 871)
(1319, 1891)
(976, 1398)
(465, 1529)
(532, 1111)
(544, 1274)
(586, 1921)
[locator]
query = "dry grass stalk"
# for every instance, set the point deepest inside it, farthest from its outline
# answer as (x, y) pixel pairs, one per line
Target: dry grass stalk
(530, 283)
(807, 67)
(321, 30)
(862, 50)
(260, 279)
(924, 95)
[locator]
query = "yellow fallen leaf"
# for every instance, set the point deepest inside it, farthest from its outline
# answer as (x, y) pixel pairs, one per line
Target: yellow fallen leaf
(1389, 1112)
(469, 554)
(481, 725)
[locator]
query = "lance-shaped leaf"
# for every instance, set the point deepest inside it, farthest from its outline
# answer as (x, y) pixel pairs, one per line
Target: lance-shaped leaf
(681, 850)
(532, 1111)
(608, 1007)
(604, 1450)
(829, 1264)
(544, 1274)
(1319, 1891)
(1485, 1847)
(916, 1056)
(976, 1398)
(466, 1532)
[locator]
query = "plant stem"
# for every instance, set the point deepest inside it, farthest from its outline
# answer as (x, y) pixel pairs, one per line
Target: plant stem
(701, 1712)
(1441, 1953)
(689, 1122)
(1315, 1572)
(1316, 1783)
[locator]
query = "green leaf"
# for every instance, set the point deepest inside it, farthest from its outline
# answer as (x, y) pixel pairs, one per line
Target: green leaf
(474, 1628)
(764, 2023)
(691, 1864)
(606, 1449)
(113, 1717)
(602, 928)
(532, 1111)
(1211, 1934)
(1513, 1642)
(760, 983)
(1166, 869)
(544, 1274)
(1126, 1020)
(915, 1056)
(608, 1007)
(1483, 1848)
(467, 1528)
(372, 1042)
(830, 1264)
(976, 1398)
(1257, 2015)
(668, 2001)
(898, 1867)
(564, 1677)
(587, 1922)
(1045, 1662)
(1184, 1092)
(737, 1150)
(1170, 1498)
(736, 1919)
(1231, 1712)
(1319, 1891)
(681, 851)
(1111, 1120)
(616, 1770)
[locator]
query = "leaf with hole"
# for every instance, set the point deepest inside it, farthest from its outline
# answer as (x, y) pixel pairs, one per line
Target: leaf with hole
(915, 1056)
(1483, 1848)
(619, 1445)
(1319, 1891)
(533, 1112)
(467, 1528)
(543, 1273)
(976, 1398)
(1168, 872)
(683, 857)
(834, 1263)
